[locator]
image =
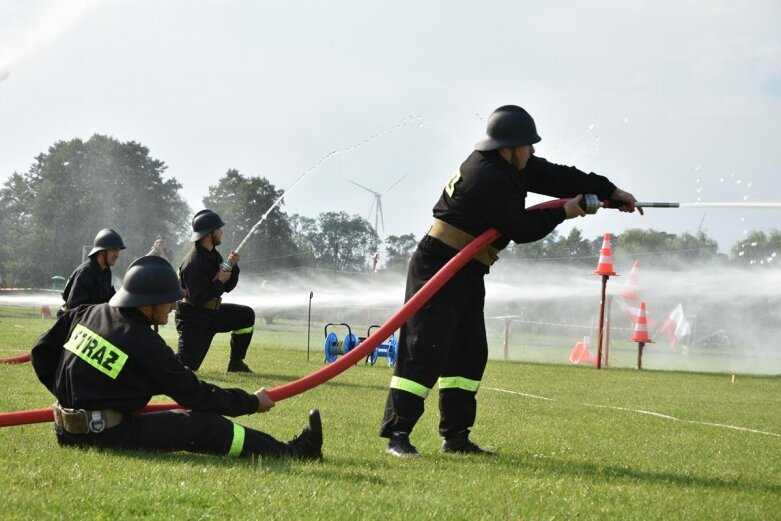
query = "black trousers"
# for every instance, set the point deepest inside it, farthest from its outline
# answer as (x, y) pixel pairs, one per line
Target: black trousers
(197, 327)
(445, 340)
(171, 431)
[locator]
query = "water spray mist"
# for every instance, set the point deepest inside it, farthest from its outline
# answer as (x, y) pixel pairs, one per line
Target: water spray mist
(226, 266)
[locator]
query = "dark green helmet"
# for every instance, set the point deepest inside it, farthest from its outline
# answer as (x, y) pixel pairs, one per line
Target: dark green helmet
(106, 239)
(508, 126)
(149, 280)
(205, 222)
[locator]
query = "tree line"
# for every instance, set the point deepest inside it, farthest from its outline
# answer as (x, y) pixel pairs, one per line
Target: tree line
(51, 213)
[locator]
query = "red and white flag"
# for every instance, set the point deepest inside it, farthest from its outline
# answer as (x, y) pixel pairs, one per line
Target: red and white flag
(676, 327)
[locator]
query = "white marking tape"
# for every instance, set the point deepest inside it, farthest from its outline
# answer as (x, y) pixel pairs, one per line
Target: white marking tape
(519, 394)
(650, 413)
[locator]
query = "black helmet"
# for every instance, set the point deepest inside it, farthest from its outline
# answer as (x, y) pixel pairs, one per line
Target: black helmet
(149, 280)
(205, 222)
(106, 239)
(508, 126)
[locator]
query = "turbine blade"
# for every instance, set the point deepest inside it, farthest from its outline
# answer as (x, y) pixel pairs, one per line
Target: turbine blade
(394, 184)
(361, 186)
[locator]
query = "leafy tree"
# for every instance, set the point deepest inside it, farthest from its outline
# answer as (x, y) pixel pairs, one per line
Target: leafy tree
(570, 249)
(303, 228)
(242, 202)
(342, 242)
(758, 248)
(668, 250)
(398, 249)
(77, 188)
(532, 250)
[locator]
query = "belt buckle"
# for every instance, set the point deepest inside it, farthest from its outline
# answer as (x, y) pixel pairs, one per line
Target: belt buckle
(96, 424)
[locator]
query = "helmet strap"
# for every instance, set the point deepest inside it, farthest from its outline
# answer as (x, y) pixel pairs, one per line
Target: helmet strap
(514, 158)
(101, 258)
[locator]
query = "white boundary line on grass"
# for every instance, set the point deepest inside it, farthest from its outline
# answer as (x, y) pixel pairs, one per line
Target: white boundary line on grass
(639, 411)
(519, 394)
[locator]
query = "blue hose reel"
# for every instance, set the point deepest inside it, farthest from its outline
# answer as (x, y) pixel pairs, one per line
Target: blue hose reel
(389, 350)
(334, 347)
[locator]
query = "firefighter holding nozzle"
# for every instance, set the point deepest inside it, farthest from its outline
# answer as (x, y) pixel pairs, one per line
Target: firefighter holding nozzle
(103, 362)
(201, 314)
(445, 342)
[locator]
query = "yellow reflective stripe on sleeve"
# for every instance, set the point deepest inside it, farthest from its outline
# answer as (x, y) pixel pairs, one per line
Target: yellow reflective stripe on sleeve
(459, 382)
(243, 331)
(408, 385)
(238, 441)
(451, 184)
(96, 351)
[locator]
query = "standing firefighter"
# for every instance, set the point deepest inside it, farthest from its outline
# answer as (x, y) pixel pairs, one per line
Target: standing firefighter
(90, 283)
(103, 362)
(445, 341)
(201, 314)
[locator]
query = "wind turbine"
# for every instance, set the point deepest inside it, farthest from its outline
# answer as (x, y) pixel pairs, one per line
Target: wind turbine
(377, 204)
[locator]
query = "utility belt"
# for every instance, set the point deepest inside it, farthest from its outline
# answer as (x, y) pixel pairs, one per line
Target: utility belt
(458, 239)
(80, 421)
(213, 304)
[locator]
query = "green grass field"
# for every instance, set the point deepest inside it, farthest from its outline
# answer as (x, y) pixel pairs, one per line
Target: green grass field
(571, 442)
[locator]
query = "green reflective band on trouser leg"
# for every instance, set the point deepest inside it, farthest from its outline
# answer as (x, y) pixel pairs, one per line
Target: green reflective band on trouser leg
(408, 385)
(459, 382)
(243, 331)
(238, 441)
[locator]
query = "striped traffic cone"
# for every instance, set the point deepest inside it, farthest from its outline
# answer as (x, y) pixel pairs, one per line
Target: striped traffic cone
(581, 355)
(629, 291)
(641, 327)
(605, 264)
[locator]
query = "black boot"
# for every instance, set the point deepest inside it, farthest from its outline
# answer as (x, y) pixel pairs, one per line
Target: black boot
(238, 366)
(400, 446)
(460, 443)
(309, 444)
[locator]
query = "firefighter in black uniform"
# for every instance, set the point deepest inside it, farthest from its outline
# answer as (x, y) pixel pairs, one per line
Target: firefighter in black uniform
(103, 362)
(90, 283)
(445, 342)
(201, 314)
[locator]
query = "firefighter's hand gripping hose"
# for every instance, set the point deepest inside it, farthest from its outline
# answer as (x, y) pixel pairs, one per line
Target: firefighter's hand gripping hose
(364, 348)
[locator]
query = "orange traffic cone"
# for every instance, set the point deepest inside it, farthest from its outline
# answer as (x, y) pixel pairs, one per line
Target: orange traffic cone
(605, 265)
(581, 355)
(641, 327)
(629, 291)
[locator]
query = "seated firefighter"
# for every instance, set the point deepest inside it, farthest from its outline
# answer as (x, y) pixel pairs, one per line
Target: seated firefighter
(103, 362)
(90, 283)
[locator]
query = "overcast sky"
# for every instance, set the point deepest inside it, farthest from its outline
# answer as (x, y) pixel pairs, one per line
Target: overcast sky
(673, 101)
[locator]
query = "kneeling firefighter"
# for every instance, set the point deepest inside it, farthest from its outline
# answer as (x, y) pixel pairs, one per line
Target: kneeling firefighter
(201, 314)
(103, 362)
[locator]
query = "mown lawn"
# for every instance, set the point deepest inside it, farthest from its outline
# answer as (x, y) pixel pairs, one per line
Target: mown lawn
(571, 442)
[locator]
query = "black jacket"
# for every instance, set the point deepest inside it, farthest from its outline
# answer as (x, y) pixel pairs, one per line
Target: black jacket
(88, 284)
(491, 193)
(102, 357)
(198, 272)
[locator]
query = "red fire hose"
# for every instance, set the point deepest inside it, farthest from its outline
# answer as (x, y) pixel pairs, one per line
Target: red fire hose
(348, 360)
(21, 359)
